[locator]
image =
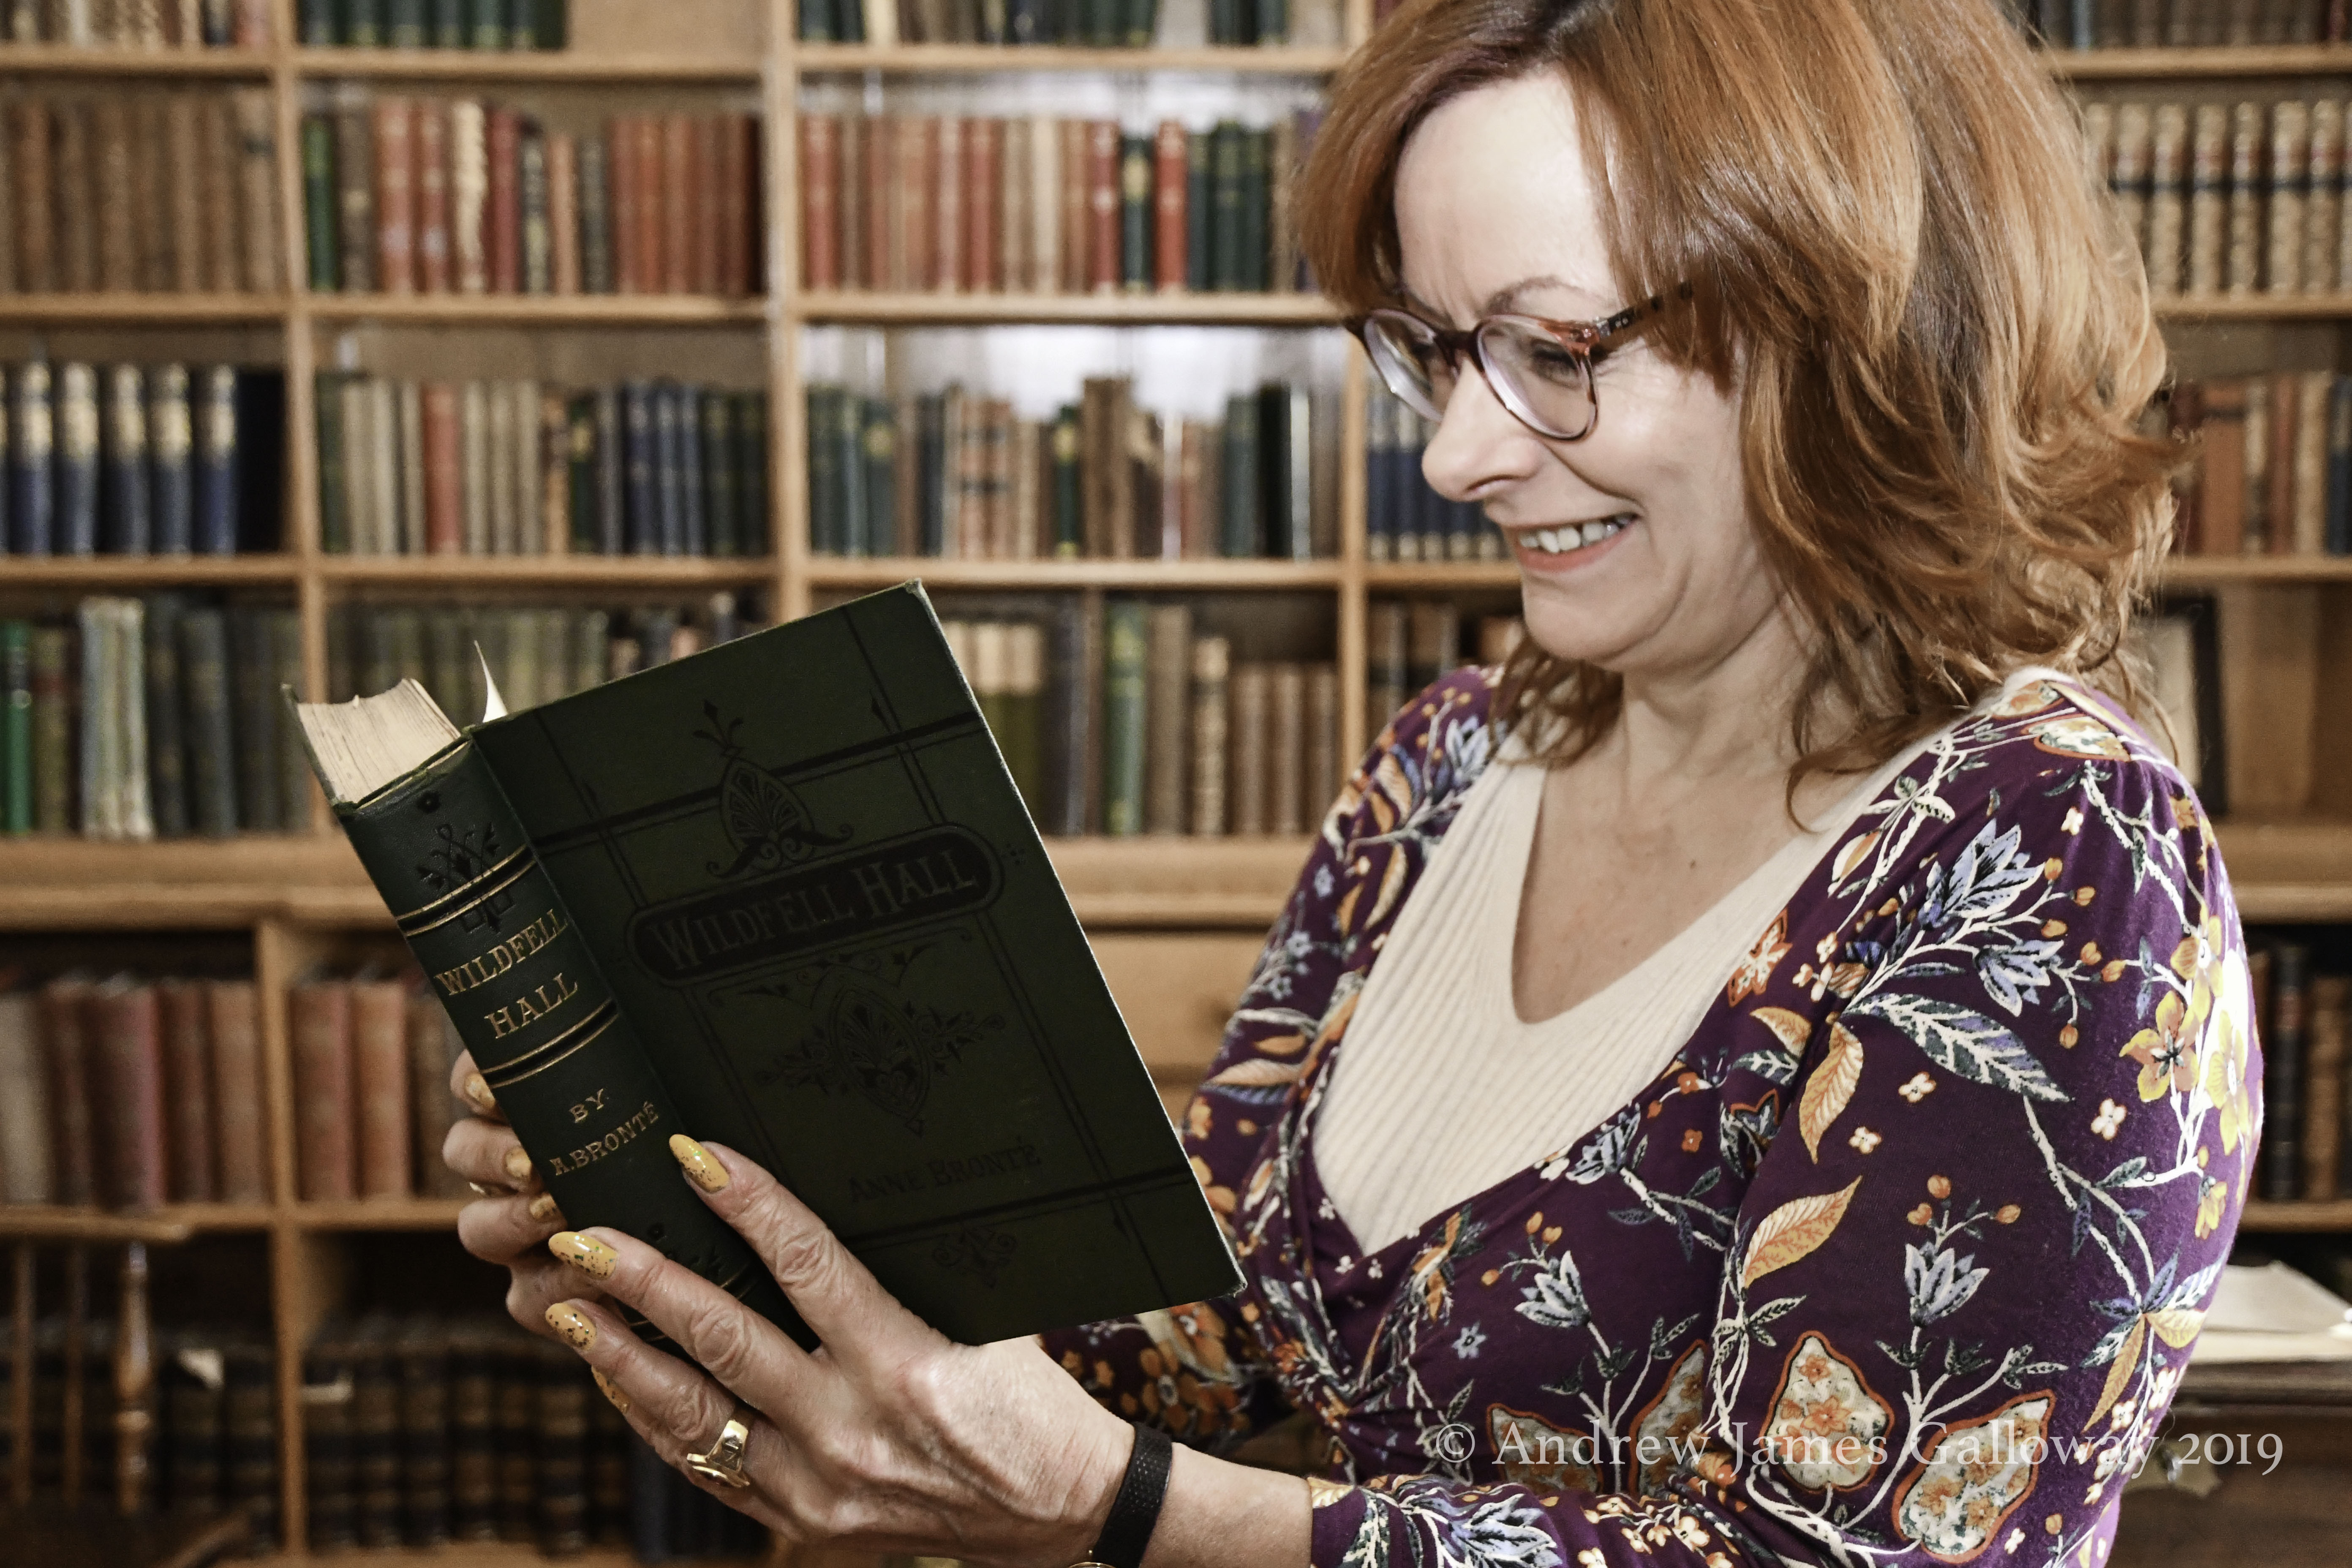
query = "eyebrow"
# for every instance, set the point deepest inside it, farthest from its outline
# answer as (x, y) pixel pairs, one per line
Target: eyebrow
(1500, 301)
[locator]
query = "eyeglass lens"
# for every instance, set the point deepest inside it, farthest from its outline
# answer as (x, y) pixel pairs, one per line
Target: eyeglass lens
(1536, 377)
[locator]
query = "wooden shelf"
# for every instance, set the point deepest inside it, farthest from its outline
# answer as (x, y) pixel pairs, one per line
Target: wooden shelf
(1395, 576)
(168, 309)
(881, 572)
(538, 309)
(2188, 310)
(611, 571)
(64, 59)
(379, 1214)
(853, 307)
(521, 64)
(144, 570)
(2323, 1214)
(2205, 571)
(2170, 65)
(967, 58)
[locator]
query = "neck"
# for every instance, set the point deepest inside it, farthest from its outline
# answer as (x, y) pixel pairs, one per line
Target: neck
(1718, 720)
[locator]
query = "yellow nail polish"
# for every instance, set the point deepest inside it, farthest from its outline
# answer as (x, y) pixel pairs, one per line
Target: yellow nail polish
(517, 1162)
(478, 1091)
(700, 1169)
(543, 1207)
(585, 1253)
(571, 1325)
(612, 1392)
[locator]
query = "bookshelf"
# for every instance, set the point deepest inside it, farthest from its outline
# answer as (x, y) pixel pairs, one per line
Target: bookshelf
(294, 896)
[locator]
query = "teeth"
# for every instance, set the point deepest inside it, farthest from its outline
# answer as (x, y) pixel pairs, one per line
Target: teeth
(1566, 537)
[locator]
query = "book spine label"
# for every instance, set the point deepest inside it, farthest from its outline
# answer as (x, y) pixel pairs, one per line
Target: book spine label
(526, 997)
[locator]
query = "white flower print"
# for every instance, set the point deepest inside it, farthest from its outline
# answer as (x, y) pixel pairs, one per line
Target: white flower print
(2109, 1121)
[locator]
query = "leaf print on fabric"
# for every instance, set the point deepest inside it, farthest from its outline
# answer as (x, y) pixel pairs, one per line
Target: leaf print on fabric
(2077, 735)
(1792, 1230)
(1973, 1478)
(1476, 1527)
(1829, 1089)
(1535, 1453)
(1940, 1281)
(1963, 1042)
(1828, 1427)
(1602, 1153)
(2015, 975)
(1793, 1030)
(1556, 1296)
(1755, 971)
(1666, 1432)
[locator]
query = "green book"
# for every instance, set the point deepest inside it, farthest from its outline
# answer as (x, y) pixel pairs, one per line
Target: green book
(825, 470)
(1125, 655)
(722, 495)
(879, 443)
(404, 25)
(447, 23)
(1069, 477)
(782, 894)
(334, 499)
(316, 21)
(1197, 198)
(53, 727)
(555, 24)
(848, 438)
(15, 727)
(1239, 534)
(1225, 206)
(580, 468)
(320, 214)
(486, 24)
(1134, 214)
(1255, 267)
(751, 483)
(363, 26)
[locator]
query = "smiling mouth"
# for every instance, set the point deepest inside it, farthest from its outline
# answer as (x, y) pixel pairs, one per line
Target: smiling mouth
(1565, 538)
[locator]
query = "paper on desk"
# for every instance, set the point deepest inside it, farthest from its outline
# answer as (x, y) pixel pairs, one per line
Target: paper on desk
(2274, 1313)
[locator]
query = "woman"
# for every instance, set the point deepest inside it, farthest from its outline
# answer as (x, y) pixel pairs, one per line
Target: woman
(1769, 1072)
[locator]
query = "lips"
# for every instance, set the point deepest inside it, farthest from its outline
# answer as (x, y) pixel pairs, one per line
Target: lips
(1567, 538)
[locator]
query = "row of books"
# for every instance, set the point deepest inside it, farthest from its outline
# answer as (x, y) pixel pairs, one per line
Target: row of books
(2179, 23)
(1404, 517)
(960, 475)
(1163, 732)
(1409, 643)
(1091, 24)
(138, 24)
(493, 25)
(371, 1102)
(126, 460)
(1049, 206)
(152, 717)
(2229, 200)
(211, 1444)
(165, 190)
(2276, 471)
(406, 196)
(424, 1430)
(535, 654)
(2302, 1018)
(508, 468)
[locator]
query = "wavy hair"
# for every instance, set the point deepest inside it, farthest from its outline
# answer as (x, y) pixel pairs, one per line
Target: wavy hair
(1939, 331)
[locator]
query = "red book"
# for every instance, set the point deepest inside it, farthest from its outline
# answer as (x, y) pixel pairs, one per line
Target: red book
(234, 1021)
(879, 163)
(563, 211)
(1102, 207)
(677, 205)
(946, 207)
(621, 172)
(918, 146)
(982, 169)
(380, 1070)
(318, 1022)
(444, 494)
(395, 196)
(432, 197)
(188, 1090)
(702, 167)
(1168, 183)
(123, 1028)
(820, 202)
(733, 176)
(65, 1048)
(650, 226)
(504, 238)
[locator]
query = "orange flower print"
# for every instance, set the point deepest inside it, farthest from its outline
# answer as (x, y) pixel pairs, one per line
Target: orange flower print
(2213, 1197)
(1755, 971)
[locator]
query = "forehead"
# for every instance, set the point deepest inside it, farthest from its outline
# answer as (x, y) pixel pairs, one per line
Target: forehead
(1493, 190)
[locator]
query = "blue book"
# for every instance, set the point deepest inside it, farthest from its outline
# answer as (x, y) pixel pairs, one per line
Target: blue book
(2339, 467)
(127, 520)
(931, 471)
(752, 434)
(32, 473)
(215, 417)
(364, 23)
(823, 472)
(644, 518)
(170, 448)
(1240, 536)
(445, 24)
(76, 460)
(612, 485)
(669, 471)
(1379, 487)
(693, 480)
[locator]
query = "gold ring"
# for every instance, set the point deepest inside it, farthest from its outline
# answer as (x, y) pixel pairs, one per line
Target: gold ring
(724, 1461)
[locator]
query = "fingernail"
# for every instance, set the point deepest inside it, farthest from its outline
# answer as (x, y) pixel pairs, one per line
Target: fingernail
(700, 1169)
(517, 1162)
(543, 1207)
(620, 1400)
(571, 1325)
(585, 1253)
(478, 1090)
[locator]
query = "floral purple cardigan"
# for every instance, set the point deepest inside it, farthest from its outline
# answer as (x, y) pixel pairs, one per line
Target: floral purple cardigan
(1898, 1261)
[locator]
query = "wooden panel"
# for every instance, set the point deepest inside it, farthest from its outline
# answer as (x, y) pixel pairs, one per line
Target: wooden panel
(2270, 674)
(1176, 990)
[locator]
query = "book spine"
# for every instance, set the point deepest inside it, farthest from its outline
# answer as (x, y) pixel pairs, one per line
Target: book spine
(379, 1048)
(563, 213)
(318, 1021)
(2284, 1043)
(210, 767)
(1170, 225)
(187, 1091)
(128, 513)
(424, 1356)
(124, 1034)
(538, 241)
(76, 445)
(1250, 694)
(1102, 187)
(721, 463)
(2323, 1130)
(485, 922)
(53, 723)
(432, 1054)
(32, 472)
(676, 185)
(167, 791)
(319, 221)
(503, 150)
(595, 208)
(1210, 748)
(1125, 658)
(249, 1413)
(16, 726)
(26, 1175)
(232, 1015)
(255, 113)
(1287, 751)
(395, 195)
(469, 188)
(171, 438)
(355, 199)
(253, 674)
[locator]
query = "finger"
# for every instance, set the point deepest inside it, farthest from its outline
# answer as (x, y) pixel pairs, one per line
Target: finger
(675, 1408)
(733, 1343)
(499, 1230)
(467, 1083)
(535, 1284)
(488, 1152)
(836, 1295)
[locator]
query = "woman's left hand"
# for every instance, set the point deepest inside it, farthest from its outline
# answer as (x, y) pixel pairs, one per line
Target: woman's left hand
(889, 1438)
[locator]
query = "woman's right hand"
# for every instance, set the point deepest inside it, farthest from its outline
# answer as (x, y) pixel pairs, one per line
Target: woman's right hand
(508, 1225)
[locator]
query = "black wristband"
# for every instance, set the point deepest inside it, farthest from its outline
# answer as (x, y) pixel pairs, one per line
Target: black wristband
(1136, 1510)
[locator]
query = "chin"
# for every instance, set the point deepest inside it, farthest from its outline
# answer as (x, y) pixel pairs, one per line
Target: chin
(1590, 629)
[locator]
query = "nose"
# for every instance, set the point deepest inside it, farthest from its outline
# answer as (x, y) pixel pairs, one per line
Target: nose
(1480, 446)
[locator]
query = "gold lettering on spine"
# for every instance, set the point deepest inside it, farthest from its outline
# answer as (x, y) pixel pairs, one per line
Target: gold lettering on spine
(487, 966)
(525, 1010)
(611, 1142)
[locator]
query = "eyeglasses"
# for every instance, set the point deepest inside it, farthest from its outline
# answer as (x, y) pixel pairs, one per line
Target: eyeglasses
(1540, 369)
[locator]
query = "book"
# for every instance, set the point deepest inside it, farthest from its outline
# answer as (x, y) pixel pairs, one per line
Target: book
(25, 1174)
(234, 1028)
(614, 928)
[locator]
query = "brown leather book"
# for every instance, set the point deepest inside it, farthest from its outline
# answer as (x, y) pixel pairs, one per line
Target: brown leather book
(733, 177)
(1167, 715)
(25, 1174)
(503, 236)
(2221, 487)
(1282, 197)
(2324, 1101)
(2285, 421)
(1102, 207)
(395, 195)
(254, 111)
(1209, 745)
(233, 1018)
(30, 144)
(980, 175)
(355, 198)
(849, 198)
(188, 1090)
(621, 172)
(470, 187)
(381, 1086)
(1322, 781)
(563, 211)
(2257, 486)
(151, 202)
(445, 497)
(73, 199)
(8, 204)
(118, 247)
(431, 134)
(123, 1031)
(1077, 226)
(554, 500)
(916, 140)
(1252, 691)
(1168, 176)
(1016, 229)
(2185, 416)
(432, 1051)
(1285, 805)
(184, 155)
(219, 168)
(318, 1025)
(652, 276)
(820, 197)
(677, 204)
(702, 202)
(65, 1048)
(946, 207)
